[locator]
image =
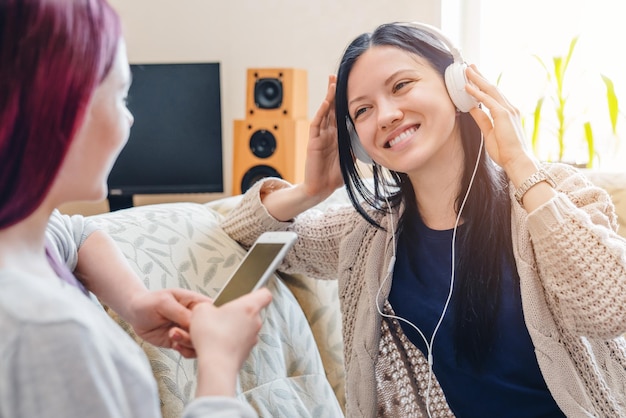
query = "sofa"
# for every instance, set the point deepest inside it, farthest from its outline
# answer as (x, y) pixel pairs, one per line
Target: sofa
(296, 369)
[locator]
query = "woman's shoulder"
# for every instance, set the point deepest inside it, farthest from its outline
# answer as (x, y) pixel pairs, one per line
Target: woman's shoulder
(37, 309)
(34, 301)
(29, 291)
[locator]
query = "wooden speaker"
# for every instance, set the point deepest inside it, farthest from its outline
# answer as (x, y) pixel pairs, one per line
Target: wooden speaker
(276, 93)
(268, 148)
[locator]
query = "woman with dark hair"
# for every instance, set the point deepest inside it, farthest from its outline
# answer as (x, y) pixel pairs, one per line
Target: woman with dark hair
(64, 77)
(473, 280)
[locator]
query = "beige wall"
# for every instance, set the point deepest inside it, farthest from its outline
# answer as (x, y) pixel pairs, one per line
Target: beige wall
(241, 34)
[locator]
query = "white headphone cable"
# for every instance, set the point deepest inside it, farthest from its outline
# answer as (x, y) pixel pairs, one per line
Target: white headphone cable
(429, 345)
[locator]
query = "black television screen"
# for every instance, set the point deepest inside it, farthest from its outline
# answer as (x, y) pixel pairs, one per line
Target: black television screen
(175, 143)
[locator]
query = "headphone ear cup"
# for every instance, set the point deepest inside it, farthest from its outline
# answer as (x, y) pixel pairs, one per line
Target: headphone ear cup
(357, 149)
(455, 83)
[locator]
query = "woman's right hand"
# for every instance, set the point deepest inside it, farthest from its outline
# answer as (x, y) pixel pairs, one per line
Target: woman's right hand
(223, 338)
(322, 173)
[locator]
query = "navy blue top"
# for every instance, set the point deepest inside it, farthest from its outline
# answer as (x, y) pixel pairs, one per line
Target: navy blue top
(510, 383)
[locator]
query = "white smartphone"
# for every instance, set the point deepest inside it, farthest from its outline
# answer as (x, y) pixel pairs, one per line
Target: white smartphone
(257, 266)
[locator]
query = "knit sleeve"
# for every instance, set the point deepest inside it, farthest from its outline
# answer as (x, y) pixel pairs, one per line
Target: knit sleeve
(316, 251)
(580, 258)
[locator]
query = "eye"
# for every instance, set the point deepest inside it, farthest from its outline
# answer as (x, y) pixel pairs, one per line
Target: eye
(400, 85)
(359, 112)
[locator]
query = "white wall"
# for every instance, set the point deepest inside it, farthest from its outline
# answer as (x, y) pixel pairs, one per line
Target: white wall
(308, 34)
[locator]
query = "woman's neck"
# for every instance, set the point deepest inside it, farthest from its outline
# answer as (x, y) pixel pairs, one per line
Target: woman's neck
(436, 192)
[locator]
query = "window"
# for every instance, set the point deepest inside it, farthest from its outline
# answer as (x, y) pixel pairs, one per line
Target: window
(510, 32)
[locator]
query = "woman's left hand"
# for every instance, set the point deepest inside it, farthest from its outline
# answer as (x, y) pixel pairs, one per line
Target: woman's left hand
(162, 317)
(502, 127)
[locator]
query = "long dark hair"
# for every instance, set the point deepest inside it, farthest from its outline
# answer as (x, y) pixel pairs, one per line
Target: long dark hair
(486, 244)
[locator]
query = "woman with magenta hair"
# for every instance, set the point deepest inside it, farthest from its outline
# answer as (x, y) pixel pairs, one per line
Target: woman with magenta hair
(64, 77)
(474, 281)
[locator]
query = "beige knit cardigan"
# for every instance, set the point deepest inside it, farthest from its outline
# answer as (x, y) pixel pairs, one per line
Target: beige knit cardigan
(572, 268)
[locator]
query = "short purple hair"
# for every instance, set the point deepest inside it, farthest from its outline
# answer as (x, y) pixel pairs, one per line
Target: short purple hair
(53, 54)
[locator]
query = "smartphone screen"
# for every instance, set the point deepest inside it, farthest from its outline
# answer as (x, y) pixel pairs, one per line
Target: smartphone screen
(253, 268)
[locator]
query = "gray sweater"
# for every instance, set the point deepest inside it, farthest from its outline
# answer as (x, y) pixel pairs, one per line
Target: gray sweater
(572, 268)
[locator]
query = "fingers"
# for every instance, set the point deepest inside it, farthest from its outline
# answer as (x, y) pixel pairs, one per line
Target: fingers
(229, 330)
(480, 88)
(482, 120)
(331, 89)
(256, 300)
(491, 98)
(180, 336)
(189, 298)
(485, 92)
(325, 115)
(494, 91)
(174, 306)
(253, 302)
(180, 341)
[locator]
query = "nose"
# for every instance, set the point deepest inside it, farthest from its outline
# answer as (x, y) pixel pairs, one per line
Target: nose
(388, 114)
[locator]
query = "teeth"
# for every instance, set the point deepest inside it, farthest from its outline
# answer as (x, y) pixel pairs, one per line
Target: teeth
(402, 136)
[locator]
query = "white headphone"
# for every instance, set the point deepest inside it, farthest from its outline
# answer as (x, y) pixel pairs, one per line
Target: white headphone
(455, 80)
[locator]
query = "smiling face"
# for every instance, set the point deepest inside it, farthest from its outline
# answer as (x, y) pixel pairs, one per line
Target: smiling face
(402, 112)
(102, 135)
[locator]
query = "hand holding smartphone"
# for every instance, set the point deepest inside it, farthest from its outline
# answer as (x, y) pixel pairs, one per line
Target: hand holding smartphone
(257, 266)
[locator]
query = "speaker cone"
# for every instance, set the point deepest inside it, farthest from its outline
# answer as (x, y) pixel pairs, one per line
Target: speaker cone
(257, 173)
(268, 93)
(262, 143)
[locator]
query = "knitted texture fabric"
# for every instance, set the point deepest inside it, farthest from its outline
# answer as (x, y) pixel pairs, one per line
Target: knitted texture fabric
(572, 268)
(403, 379)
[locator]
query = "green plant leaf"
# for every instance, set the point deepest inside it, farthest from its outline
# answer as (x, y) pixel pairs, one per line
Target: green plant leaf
(536, 124)
(559, 72)
(556, 98)
(544, 66)
(590, 144)
(568, 57)
(559, 76)
(612, 102)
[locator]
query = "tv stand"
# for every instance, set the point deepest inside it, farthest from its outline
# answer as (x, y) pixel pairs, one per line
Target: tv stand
(117, 202)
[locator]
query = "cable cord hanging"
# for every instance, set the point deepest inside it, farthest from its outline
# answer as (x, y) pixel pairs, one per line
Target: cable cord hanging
(429, 345)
